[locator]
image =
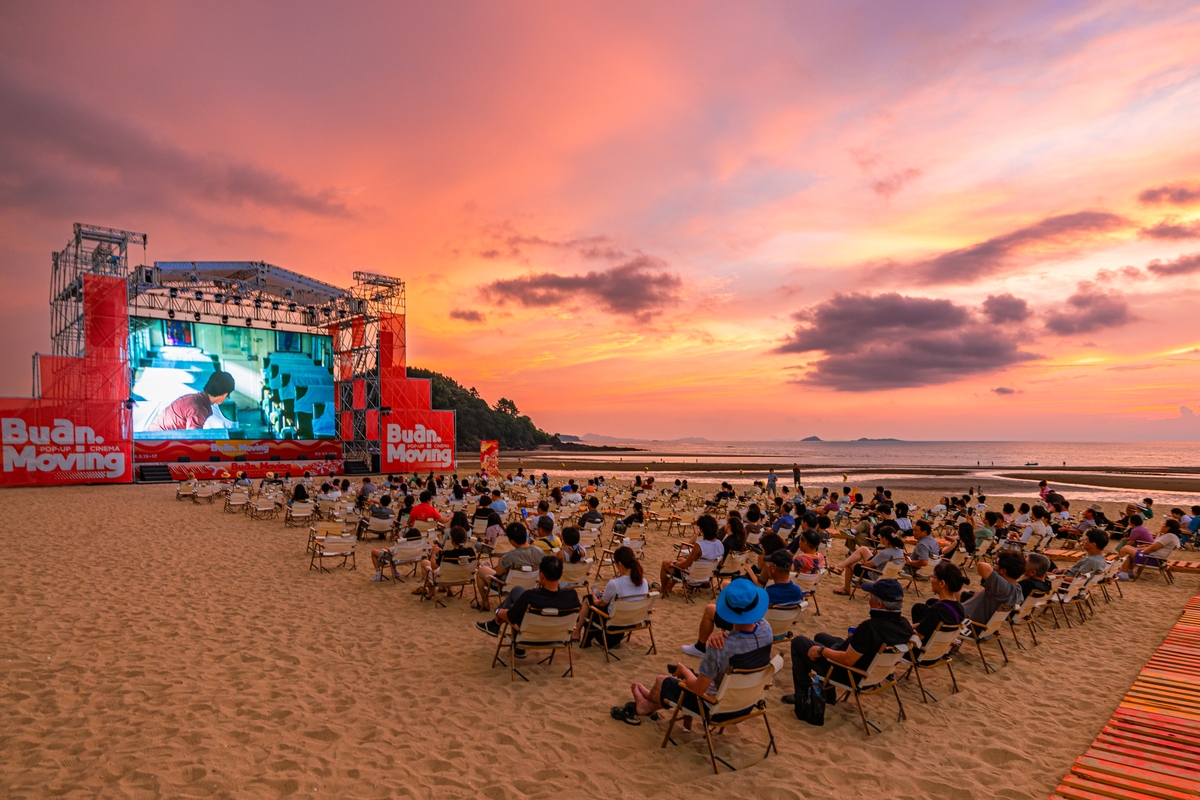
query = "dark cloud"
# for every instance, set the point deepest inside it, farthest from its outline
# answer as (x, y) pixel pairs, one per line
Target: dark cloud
(890, 184)
(65, 157)
(515, 245)
(1002, 308)
(1090, 309)
(890, 341)
(972, 263)
(638, 288)
(466, 315)
(1172, 230)
(1175, 194)
(1004, 390)
(1184, 265)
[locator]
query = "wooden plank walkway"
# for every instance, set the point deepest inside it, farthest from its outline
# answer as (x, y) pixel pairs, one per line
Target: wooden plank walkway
(1189, 566)
(1151, 746)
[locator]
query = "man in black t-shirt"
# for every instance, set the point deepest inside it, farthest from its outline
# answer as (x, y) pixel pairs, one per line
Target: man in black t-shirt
(1036, 567)
(592, 516)
(885, 626)
(546, 595)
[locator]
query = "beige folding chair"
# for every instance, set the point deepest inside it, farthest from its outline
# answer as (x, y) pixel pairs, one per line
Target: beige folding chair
(935, 653)
(1072, 595)
(298, 514)
(237, 502)
(1161, 565)
(920, 574)
(575, 574)
(638, 546)
(405, 553)
(879, 676)
(740, 697)
(378, 526)
(318, 533)
(983, 632)
(334, 547)
(699, 576)
(540, 629)
(458, 572)
(264, 507)
(807, 581)
(624, 616)
(732, 566)
(781, 619)
(1025, 616)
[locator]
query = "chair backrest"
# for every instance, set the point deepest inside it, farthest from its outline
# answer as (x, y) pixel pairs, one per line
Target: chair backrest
(459, 570)
(424, 525)
(781, 619)
(701, 570)
(408, 551)
(743, 688)
(808, 581)
(1073, 589)
(882, 665)
(998, 618)
(337, 545)
(939, 644)
(891, 569)
(575, 574)
(734, 563)
(524, 576)
(927, 571)
(546, 626)
(503, 545)
(632, 610)
(302, 509)
(380, 525)
(480, 526)
(1028, 606)
(324, 529)
(264, 503)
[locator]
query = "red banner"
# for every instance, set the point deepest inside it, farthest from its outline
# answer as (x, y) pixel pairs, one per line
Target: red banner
(489, 457)
(52, 442)
(418, 441)
(254, 469)
(169, 450)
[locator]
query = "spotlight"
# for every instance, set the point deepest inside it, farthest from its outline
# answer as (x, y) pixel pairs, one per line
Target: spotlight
(196, 316)
(292, 307)
(224, 320)
(272, 324)
(249, 322)
(172, 293)
(237, 301)
(326, 311)
(219, 298)
(199, 295)
(258, 303)
(274, 306)
(171, 314)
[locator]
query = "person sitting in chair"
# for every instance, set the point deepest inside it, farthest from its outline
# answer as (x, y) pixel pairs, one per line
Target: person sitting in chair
(523, 554)
(747, 646)
(708, 548)
(547, 595)
(886, 626)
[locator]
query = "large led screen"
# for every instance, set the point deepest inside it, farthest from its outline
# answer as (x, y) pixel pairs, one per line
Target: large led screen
(197, 381)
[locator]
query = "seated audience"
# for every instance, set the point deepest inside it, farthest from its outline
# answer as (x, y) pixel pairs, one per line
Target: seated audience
(946, 608)
(999, 586)
(708, 547)
(523, 554)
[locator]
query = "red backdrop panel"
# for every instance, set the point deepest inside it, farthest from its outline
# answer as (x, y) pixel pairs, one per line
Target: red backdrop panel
(418, 440)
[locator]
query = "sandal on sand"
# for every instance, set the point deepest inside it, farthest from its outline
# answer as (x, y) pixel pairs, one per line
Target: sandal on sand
(834, 570)
(626, 713)
(841, 592)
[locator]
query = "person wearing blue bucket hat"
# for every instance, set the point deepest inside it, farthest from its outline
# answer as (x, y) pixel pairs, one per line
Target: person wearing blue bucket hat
(748, 646)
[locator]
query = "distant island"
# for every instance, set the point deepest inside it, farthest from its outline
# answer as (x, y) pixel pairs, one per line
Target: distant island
(865, 439)
(595, 437)
(811, 439)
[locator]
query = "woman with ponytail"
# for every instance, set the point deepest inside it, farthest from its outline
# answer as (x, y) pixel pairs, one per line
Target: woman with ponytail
(630, 581)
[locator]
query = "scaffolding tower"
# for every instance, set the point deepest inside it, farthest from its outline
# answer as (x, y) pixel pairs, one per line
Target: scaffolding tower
(94, 250)
(379, 299)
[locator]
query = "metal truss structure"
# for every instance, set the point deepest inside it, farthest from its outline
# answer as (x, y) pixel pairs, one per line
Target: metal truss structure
(358, 349)
(91, 250)
(250, 293)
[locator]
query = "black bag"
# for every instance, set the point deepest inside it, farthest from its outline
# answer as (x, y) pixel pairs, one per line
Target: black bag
(810, 704)
(593, 637)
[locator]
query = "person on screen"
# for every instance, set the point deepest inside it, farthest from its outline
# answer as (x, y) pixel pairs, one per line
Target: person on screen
(191, 411)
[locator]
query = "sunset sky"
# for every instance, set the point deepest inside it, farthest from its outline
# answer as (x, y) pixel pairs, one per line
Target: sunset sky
(732, 220)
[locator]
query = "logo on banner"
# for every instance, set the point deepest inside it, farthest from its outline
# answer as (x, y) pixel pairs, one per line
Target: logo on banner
(63, 447)
(417, 445)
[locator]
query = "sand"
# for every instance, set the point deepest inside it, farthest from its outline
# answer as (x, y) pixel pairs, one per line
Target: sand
(160, 649)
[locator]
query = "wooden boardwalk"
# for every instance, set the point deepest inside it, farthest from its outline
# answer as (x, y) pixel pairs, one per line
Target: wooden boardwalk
(1151, 746)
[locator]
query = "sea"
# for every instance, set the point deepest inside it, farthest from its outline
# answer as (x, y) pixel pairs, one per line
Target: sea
(822, 462)
(893, 453)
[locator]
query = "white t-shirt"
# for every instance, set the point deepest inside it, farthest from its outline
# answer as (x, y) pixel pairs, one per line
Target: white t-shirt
(1169, 542)
(622, 586)
(711, 550)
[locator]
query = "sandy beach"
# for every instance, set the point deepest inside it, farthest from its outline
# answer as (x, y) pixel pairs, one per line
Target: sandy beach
(162, 649)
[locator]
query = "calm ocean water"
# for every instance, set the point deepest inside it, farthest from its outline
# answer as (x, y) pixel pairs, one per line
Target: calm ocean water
(915, 454)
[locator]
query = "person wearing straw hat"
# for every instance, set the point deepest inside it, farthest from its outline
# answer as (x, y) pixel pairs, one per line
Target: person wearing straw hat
(743, 605)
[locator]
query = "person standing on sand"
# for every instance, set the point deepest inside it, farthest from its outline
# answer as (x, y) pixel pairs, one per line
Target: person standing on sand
(796, 475)
(772, 479)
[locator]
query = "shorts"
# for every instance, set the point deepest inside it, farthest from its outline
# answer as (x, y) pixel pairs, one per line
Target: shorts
(721, 624)
(1143, 558)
